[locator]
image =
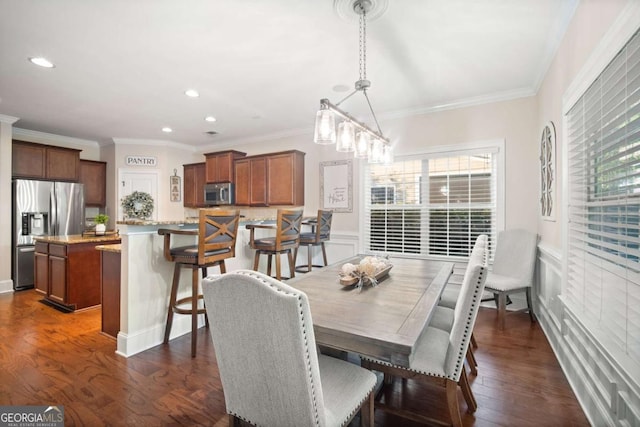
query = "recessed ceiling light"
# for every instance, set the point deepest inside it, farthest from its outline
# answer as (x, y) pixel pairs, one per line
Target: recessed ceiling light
(341, 88)
(210, 119)
(192, 93)
(167, 129)
(42, 62)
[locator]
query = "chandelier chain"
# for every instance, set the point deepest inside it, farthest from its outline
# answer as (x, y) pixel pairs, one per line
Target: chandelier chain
(363, 43)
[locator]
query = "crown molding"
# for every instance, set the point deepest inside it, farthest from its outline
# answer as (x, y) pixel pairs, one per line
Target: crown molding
(231, 143)
(43, 137)
(8, 119)
(154, 143)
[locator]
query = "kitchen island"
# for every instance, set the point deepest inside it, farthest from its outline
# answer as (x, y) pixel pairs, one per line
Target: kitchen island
(67, 269)
(145, 281)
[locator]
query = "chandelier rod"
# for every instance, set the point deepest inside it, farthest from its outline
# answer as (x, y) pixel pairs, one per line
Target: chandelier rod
(372, 113)
(325, 104)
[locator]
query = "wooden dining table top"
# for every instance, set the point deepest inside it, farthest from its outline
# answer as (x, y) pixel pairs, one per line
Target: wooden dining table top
(384, 321)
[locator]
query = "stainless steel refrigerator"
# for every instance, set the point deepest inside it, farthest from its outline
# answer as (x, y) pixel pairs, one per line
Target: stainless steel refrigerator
(41, 208)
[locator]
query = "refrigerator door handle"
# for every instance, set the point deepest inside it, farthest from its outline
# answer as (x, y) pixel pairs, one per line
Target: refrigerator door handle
(53, 214)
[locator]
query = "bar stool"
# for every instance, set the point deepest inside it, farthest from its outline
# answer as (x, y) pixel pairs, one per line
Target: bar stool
(321, 232)
(286, 240)
(216, 233)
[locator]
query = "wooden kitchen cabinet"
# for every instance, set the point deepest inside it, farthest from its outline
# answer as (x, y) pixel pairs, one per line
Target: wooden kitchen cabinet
(38, 161)
(270, 179)
(68, 273)
(251, 181)
(285, 178)
(93, 175)
(194, 180)
(41, 267)
(220, 165)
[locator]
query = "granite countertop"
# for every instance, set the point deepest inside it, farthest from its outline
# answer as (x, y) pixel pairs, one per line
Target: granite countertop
(117, 248)
(77, 238)
(189, 220)
(158, 222)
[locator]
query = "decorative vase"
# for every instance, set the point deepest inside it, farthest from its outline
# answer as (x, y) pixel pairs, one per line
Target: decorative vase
(100, 229)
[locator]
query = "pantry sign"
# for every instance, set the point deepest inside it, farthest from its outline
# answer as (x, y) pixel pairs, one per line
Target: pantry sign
(141, 161)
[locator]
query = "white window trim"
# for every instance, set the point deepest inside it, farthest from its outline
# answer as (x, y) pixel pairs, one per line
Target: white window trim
(496, 145)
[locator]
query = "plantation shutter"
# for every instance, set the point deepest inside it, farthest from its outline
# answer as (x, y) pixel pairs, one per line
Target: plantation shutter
(603, 138)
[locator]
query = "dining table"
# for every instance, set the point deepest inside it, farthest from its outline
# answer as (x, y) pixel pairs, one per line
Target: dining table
(382, 321)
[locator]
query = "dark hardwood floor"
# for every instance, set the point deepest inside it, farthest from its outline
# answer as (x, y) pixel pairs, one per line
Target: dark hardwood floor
(53, 358)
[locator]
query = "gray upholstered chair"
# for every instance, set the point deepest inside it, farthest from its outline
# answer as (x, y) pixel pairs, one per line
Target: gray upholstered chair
(217, 232)
(321, 233)
(513, 267)
(269, 367)
(443, 314)
(439, 355)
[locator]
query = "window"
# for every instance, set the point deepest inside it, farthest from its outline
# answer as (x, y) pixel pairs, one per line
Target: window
(434, 204)
(603, 259)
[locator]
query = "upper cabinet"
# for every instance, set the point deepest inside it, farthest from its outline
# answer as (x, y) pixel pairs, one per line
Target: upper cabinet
(220, 165)
(194, 180)
(270, 179)
(94, 177)
(39, 161)
(285, 178)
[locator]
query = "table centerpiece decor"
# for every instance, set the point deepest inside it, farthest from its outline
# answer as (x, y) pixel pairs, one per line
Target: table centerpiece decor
(370, 271)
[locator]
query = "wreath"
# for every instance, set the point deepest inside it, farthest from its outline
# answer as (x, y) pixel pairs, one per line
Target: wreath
(138, 205)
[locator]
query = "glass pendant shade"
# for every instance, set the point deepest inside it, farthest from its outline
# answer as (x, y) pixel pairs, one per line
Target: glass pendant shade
(346, 137)
(387, 154)
(362, 145)
(325, 132)
(375, 153)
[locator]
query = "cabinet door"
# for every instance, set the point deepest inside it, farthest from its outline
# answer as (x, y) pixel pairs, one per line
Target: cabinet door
(189, 186)
(285, 179)
(62, 164)
(57, 279)
(94, 177)
(194, 180)
(258, 188)
(242, 176)
(199, 182)
(28, 160)
(41, 273)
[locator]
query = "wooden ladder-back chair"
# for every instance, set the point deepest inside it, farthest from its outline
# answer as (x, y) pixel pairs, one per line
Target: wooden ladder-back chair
(271, 372)
(285, 241)
(321, 233)
(217, 233)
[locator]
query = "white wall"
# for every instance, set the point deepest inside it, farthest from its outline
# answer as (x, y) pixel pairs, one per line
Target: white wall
(6, 285)
(604, 380)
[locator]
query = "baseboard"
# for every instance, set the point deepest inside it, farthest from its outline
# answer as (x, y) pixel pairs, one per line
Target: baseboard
(6, 286)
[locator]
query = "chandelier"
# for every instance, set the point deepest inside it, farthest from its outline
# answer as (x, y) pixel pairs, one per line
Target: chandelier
(353, 135)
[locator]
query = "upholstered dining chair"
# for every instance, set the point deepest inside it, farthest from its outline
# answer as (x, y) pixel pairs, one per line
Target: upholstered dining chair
(439, 355)
(512, 271)
(443, 314)
(285, 241)
(217, 232)
(321, 233)
(271, 372)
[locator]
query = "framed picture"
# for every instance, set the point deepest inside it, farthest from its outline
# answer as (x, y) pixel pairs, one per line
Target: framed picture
(336, 180)
(175, 187)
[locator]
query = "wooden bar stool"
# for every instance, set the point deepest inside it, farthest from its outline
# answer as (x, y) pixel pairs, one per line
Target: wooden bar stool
(321, 232)
(286, 240)
(217, 234)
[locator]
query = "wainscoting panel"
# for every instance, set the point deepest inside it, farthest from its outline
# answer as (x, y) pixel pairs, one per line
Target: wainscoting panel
(608, 392)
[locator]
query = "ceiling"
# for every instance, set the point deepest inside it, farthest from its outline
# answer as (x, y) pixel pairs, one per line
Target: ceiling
(261, 67)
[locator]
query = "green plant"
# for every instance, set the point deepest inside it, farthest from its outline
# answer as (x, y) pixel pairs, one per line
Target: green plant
(101, 219)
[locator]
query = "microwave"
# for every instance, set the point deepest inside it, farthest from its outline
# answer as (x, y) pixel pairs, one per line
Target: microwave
(219, 194)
